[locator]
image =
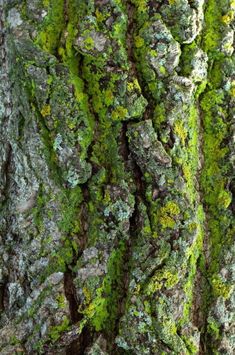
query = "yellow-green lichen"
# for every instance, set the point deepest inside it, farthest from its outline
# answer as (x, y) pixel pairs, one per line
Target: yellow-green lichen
(163, 278)
(221, 288)
(180, 131)
(168, 214)
(119, 113)
(46, 110)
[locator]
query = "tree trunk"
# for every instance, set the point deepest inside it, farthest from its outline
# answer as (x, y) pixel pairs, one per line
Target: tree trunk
(116, 157)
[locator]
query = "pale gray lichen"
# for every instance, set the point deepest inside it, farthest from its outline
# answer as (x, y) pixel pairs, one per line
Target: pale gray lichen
(164, 51)
(14, 19)
(189, 21)
(147, 149)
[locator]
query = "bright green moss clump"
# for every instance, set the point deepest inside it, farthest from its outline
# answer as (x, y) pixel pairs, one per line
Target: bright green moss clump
(57, 330)
(49, 36)
(213, 179)
(102, 311)
(214, 102)
(213, 23)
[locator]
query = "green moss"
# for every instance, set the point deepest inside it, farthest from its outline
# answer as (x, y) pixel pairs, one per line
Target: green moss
(89, 43)
(69, 226)
(162, 70)
(46, 3)
(56, 331)
(14, 340)
(228, 17)
(190, 344)
(193, 254)
(109, 97)
(141, 10)
(224, 199)
(187, 55)
(139, 42)
(213, 31)
(216, 75)
(213, 328)
(190, 153)
(42, 199)
(167, 222)
(102, 311)
(217, 198)
(217, 169)
(119, 113)
(213, 179)
(52, 27)
(159, 115)
(70, 208)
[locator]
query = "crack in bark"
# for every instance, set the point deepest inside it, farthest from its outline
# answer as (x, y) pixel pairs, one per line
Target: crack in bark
(3, 288)
(85, 338)
(199, 316)
(199, 321)
(79, 346)
(125, 153)
(206, 255)
(148, 114)
(6, 170)
(70, 294)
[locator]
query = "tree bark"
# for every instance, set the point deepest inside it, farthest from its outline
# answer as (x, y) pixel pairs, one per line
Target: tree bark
(116, 180)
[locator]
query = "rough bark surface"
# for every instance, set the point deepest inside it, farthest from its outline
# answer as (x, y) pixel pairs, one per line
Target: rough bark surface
(116, 177)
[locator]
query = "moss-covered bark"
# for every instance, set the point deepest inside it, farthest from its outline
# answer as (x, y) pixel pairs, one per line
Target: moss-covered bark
(116, 184)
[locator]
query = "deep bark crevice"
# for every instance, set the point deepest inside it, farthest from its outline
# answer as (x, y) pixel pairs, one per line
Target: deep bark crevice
(125, 154)
(70, 294)
(201, 282)
(6, 172)
(79, 346)
(84, 339)
(3, 294)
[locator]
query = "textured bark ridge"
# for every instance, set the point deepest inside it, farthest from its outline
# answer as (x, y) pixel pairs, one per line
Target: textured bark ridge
(116, 177)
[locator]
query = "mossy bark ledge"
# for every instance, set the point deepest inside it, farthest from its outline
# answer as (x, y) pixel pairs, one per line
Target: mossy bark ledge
(117, 177)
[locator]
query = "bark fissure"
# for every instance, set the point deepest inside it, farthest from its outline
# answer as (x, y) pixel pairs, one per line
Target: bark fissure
(70, 294)
(133, 227)
(201, 280)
